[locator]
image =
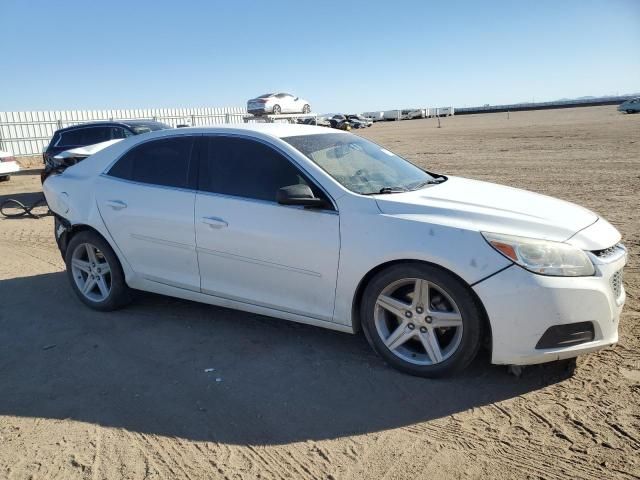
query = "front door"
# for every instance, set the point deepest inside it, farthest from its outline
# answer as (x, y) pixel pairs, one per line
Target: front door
(252, 249)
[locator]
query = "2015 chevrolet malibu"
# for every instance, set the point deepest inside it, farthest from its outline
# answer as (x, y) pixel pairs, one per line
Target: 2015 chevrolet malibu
(329, 229)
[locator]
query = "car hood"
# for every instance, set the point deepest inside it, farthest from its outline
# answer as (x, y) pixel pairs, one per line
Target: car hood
(483, 206)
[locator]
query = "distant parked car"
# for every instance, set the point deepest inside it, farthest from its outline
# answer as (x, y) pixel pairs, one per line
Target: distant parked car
(361, 121)
(319, 121)
(97, 132)
(277, 103)
(630, 106)
(8, 165)
(341, 122)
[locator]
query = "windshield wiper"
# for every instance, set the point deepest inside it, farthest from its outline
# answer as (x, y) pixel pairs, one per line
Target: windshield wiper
(434, 181)
(386, 190)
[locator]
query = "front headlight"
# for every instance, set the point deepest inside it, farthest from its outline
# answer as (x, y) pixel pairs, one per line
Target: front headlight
(542, 256)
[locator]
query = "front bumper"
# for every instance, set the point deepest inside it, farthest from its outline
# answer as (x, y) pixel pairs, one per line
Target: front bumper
(522, 306)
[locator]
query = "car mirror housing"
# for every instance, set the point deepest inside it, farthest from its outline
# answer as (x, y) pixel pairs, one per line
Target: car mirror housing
(298, 195)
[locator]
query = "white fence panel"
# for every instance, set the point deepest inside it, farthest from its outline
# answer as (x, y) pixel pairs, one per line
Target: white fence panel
(28, 133)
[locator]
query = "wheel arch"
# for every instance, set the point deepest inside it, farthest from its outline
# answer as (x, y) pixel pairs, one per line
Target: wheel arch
(71, 230)
(362, 285)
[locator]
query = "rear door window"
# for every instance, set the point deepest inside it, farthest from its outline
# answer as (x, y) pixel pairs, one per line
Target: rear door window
(71, 138)
(119, 132)
(93, 135)
(165, 162)
(80, 137)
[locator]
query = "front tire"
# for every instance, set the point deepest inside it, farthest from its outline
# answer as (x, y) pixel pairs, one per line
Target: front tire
(95, 272)
(421, 319)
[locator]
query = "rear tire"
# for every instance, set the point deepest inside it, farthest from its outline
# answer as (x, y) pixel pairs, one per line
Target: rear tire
(99, 273)
(436, 329)
(5, 178)
(306, 109)
(630, 111)
(277, 110)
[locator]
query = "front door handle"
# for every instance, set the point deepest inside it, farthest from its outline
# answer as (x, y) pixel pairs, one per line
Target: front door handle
(215, 222)
(116, 204)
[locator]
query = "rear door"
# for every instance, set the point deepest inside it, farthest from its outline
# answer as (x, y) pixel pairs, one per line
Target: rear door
(146, 200)
(252, 249)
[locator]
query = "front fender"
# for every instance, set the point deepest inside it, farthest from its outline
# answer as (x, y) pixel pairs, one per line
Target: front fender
(374, 239)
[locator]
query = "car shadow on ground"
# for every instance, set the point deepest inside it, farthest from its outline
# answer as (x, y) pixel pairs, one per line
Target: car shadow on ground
(146, 369)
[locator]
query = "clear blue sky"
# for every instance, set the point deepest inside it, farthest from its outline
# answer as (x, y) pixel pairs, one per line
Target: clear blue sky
(346, 55)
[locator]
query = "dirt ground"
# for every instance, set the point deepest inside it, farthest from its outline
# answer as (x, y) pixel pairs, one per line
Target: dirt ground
(126, 395)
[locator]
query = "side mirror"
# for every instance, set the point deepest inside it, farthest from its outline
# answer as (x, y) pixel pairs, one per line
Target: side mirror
(299, 195)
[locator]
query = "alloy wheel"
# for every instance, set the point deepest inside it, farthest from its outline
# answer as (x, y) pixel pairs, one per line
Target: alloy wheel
(418, 321)
(91, 272)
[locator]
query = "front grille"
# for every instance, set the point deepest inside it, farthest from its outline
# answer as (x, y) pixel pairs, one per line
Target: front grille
(616, 283)
(606, 252)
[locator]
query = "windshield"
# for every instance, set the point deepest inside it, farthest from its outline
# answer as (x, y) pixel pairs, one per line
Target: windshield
(360, 165)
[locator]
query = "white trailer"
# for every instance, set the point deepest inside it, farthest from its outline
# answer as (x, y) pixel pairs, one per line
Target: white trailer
(445, 111)
(430, 112)
(392, 115)
(374, 116)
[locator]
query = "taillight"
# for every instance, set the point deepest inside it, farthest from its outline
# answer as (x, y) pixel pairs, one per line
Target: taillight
(7, 159)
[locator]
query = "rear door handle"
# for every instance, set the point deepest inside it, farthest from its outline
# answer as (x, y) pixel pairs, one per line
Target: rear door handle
(116, 204)
(215, 222)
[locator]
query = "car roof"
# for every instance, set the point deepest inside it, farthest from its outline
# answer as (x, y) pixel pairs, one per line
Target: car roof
(278, 130)
(112, 123)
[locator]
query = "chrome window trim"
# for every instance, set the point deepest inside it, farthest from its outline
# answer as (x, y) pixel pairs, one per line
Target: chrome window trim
(155, 185)
(266, 202)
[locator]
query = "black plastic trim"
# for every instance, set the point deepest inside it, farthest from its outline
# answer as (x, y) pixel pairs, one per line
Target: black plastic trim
(566, 335)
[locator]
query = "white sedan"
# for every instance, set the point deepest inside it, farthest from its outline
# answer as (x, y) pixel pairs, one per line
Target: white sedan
(277, 103)
(8, 165)
(326, 228)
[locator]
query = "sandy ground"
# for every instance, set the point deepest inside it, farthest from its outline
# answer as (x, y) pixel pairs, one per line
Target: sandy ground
(126, 395)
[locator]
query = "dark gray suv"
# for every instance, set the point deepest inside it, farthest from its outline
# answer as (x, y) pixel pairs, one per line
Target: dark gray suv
(96, 132)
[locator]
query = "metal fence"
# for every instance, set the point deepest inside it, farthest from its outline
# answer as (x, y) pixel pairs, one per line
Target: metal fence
(28, 133)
